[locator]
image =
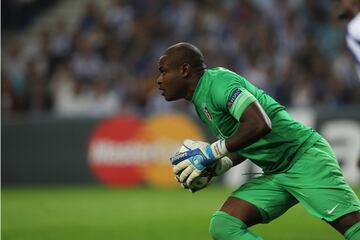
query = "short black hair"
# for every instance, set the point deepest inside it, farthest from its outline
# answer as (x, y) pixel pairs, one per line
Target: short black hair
(184, 52)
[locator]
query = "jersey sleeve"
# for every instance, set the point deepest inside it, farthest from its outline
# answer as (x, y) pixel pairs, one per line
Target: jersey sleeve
(231, 96)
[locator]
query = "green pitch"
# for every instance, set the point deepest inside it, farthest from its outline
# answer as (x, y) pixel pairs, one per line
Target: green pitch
(84, 212)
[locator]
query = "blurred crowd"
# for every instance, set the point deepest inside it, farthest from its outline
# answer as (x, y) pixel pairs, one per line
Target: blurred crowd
(295, 50)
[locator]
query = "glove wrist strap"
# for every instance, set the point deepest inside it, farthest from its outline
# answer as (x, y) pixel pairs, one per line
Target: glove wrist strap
(219, 149)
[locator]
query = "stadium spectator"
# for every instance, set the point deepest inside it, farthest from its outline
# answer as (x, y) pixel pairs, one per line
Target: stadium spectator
(350, 10)
(283, 46)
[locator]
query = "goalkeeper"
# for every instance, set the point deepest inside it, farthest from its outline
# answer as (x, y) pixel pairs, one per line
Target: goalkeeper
(298, 164)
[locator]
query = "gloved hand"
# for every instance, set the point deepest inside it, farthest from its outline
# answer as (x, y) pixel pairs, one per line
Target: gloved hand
(197, 184)
(200, 161)
(219, 168)
(222, 165)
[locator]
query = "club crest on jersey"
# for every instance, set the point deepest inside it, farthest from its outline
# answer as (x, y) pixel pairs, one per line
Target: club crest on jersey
(207, 113)
(234, 94)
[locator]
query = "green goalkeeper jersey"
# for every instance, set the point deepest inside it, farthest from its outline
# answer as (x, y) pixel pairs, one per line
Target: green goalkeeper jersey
(220, 99)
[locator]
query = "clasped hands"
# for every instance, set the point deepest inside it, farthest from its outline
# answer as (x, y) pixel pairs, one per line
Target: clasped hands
(201, 160)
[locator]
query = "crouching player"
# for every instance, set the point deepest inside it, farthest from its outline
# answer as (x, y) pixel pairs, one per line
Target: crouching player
(298, 163)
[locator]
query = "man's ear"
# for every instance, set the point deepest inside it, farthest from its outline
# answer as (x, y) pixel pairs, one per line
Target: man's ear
(185, 70)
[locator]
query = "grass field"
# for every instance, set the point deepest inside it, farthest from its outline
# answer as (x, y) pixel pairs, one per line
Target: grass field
(88, 212)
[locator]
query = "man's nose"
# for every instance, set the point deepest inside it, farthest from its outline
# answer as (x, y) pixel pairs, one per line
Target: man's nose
(159, 80)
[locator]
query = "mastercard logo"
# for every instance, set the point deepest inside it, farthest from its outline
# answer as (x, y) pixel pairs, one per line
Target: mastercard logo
(129, 151)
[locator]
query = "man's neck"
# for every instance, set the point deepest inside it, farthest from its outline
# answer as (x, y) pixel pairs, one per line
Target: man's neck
(193, 82)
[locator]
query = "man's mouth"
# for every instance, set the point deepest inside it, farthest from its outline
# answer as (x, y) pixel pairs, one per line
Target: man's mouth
(162, 91)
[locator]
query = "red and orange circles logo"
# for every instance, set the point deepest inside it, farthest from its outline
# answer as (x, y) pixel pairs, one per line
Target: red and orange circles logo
(128, 151)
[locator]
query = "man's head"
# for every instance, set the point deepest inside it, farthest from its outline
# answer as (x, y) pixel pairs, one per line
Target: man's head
(347, 9)
(180, 66)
